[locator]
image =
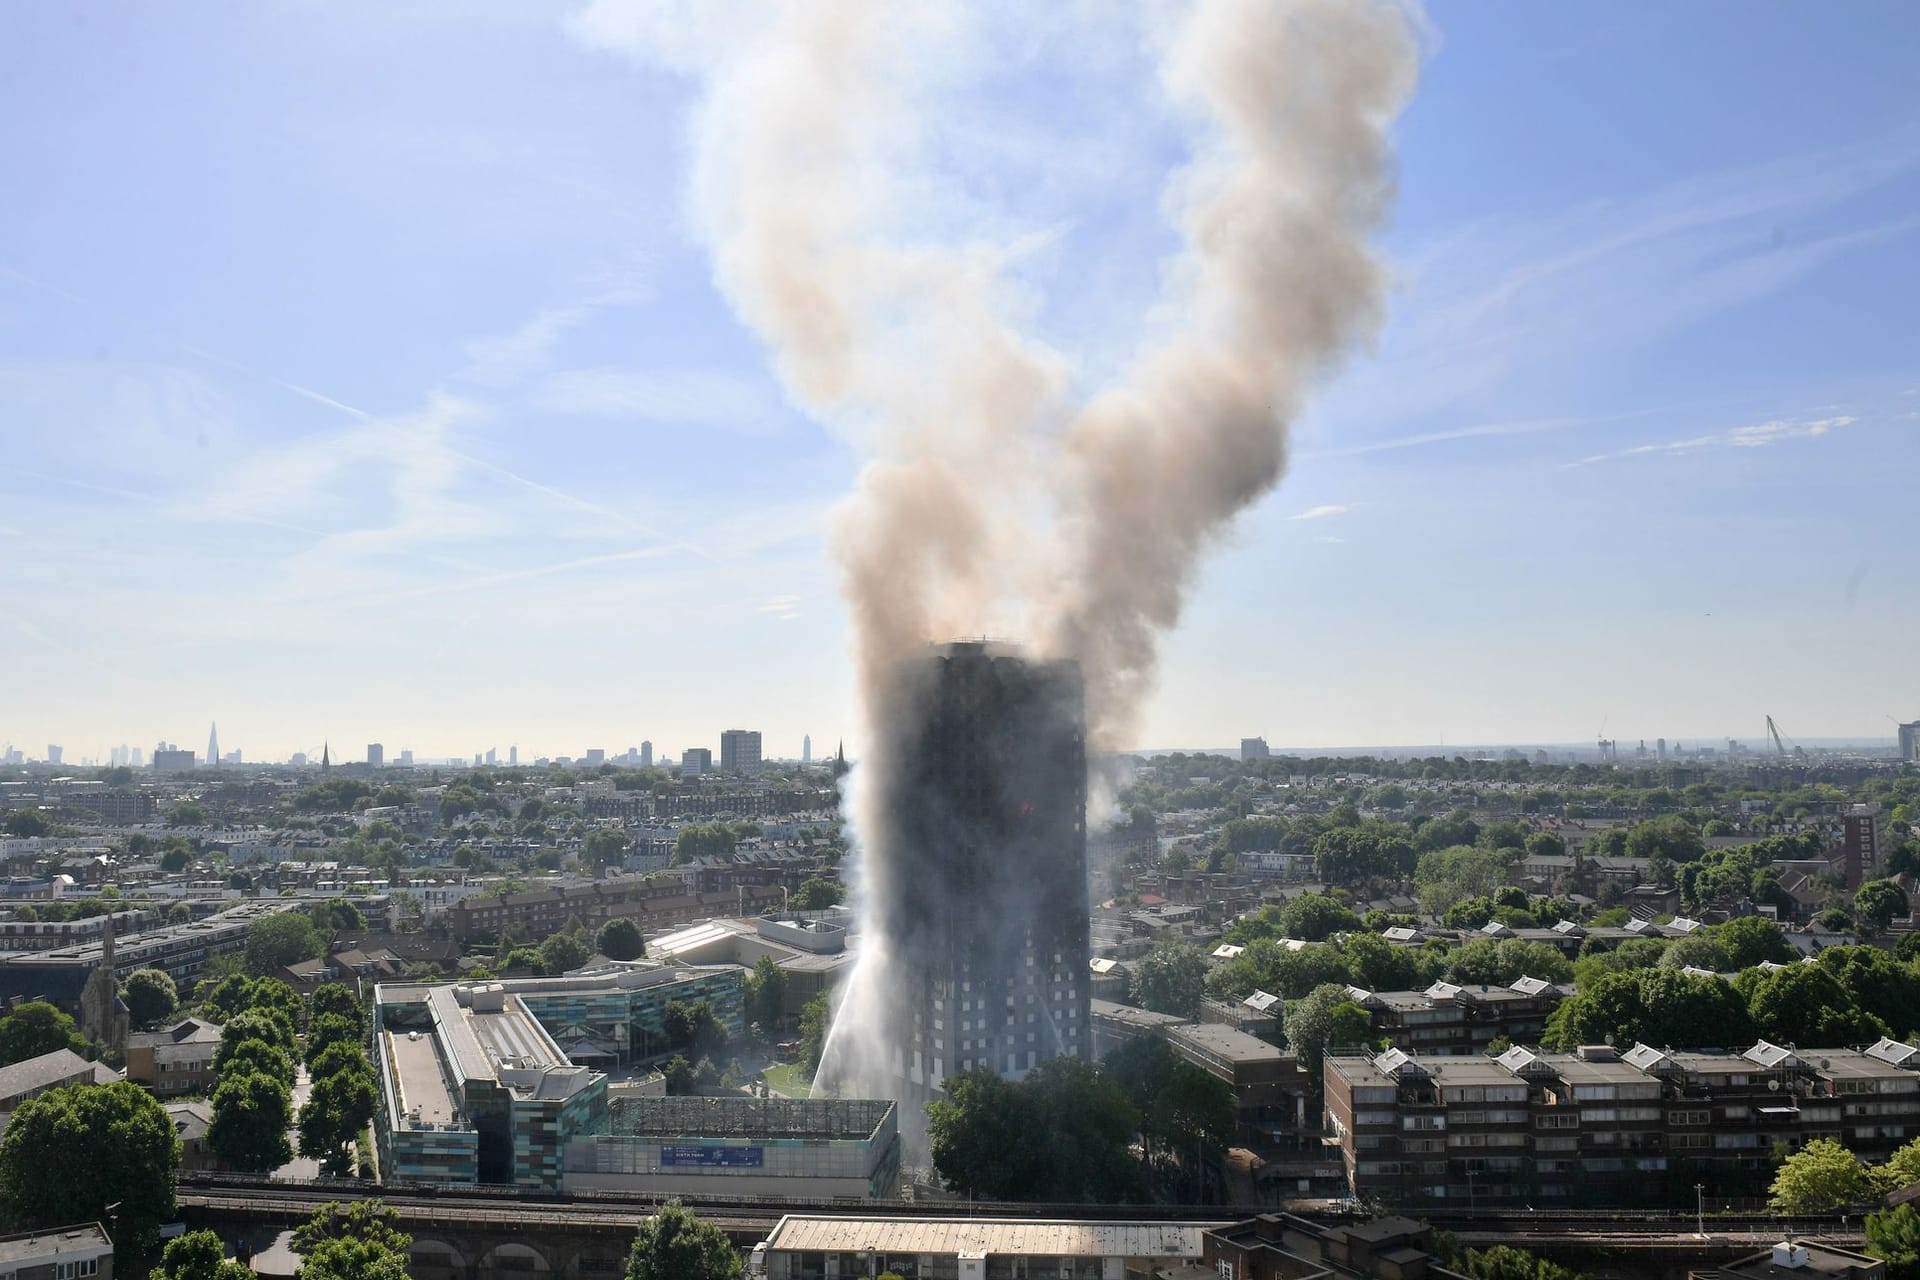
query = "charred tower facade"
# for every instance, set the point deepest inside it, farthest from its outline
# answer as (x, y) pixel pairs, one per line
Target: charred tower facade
(987, 915)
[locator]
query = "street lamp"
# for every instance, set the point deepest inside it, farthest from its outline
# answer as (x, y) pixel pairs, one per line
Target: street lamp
(1700, 1209)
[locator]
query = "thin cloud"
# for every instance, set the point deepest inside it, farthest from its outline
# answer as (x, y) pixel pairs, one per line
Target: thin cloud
(1756, 436)
(785, 608)
(1322, 512)
(674, 397)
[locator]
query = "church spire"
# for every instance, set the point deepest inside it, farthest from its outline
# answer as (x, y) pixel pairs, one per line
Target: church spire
(326, 762)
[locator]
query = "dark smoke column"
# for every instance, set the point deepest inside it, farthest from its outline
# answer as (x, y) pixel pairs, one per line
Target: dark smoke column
(984, 897)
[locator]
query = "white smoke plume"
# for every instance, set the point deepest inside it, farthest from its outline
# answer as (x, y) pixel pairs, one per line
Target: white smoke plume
(992, 502)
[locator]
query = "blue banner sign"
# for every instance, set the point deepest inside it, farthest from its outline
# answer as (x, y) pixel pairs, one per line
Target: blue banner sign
(712, 1157)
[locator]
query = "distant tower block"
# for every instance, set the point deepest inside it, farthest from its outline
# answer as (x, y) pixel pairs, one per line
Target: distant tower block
(213, 746)
(806, 748)
(1254, 749)
(376, 755)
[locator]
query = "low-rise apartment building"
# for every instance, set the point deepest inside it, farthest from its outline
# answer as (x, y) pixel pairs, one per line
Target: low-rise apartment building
(174, 1060)
(1600, 1127)
(655, 903)
(81, 1252)
(1451, 1019)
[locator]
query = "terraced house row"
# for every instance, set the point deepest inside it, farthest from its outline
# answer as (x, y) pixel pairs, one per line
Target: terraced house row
(1603, 1127)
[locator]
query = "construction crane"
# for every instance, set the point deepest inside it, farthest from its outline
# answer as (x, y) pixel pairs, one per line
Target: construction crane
(1774, 732)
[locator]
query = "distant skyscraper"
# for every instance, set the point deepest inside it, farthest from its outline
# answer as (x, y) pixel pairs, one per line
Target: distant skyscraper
(1254, 749)
(54, 752)
(1660, 746)
(138, 757)
(376, 755)
(406, 757)
(1910, 742)
(513, 756)
(740, 751)
(646, 754)
(596, 756)
(492, 756)
(213, 746)
(695, 761)
(806, 748)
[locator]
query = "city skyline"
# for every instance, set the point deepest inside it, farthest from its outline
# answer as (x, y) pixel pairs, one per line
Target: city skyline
(440, 421)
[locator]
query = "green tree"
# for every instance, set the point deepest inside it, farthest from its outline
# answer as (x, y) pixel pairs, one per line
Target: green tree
(198, 1255)
(1879, 902)
(338, 1000)
(174, 861)
(1651, 1006)
(816, 1020)
(1821, 1177)
(816, 894)
(766, 992)
(25, 824)
(360, 1241)
(676, 1244)
(561, 952)
(251, 1114)
(1445, 876)
(709, 840)
(1748, 940)
(36, 1027)
(620, 939)
(604, 847)
(254, 1055)
(1894, 1236)
(43, 1184)
(335, 1114)
(1326, 1018)
(1315, 917)
(1672, 838)
(1504, 1262)
(1805, 1005)
(256, 1024)
(284, 938)
(679, 1075)
(188, 813)
(327, 1030)
(1902, 1168)
(1171, 978)
(337, 915)
(981, 1137)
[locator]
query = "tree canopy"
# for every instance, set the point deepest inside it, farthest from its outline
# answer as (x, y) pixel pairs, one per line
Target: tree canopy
(677, 1244)
(251, 1114)
(37, 1027)
(151, 997)
(1821, 1177)
(284, 938)
(358, 1241)
(620, 939)
(43, 1185)
(1171, 978)
(199, 1255)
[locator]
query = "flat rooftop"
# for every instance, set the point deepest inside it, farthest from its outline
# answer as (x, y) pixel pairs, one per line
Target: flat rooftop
(1227, 1043)
(422, 1083)
(1134, 1016)
(992, 1236)
(31, 1247)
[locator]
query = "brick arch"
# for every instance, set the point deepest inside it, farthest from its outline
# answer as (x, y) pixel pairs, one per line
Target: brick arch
(429, 1256)
(513, 1259)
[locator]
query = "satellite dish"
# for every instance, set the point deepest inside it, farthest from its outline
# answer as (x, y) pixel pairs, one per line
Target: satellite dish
(1773, 1086)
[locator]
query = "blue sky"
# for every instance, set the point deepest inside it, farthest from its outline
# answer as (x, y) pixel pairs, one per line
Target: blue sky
(362, 379)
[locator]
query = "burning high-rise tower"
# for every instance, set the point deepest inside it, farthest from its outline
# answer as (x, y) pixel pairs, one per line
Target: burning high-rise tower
(981, 901)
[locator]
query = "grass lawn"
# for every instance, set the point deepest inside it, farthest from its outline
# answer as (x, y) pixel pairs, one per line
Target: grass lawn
(788, 1080)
